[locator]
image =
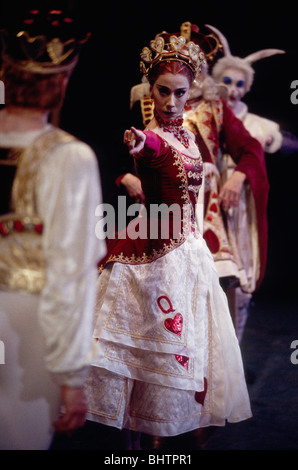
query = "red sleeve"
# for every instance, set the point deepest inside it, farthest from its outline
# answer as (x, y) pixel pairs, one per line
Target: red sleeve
(155, 149)
(245, 150)
(249, 157)
(118, 179)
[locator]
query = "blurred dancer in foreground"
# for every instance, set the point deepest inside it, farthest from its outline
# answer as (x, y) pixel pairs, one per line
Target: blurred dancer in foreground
(50, 187)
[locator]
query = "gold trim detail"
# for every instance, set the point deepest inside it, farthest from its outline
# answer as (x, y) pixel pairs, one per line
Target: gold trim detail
(22, 264)
(170, 246)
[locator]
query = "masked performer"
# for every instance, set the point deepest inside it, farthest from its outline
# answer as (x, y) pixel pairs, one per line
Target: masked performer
(50, 187)
(237, 75)
(168, 360)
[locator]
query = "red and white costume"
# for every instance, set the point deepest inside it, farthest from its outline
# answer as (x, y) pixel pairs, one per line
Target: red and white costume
(217, 132)
(237, 238)
(168, 360)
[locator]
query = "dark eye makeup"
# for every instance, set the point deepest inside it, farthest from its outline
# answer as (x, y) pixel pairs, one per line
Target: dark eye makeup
(228, 81)
(166, 91)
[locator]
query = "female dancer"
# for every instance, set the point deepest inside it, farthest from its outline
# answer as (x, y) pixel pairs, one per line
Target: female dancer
(168, 360)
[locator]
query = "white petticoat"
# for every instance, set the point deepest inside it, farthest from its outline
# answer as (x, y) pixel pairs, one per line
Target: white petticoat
(147, 369)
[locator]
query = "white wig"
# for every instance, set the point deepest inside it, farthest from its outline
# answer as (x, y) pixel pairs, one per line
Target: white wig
(243, 64)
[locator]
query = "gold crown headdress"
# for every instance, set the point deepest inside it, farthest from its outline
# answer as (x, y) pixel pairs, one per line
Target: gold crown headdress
(209, 42)
(44, 43)
(168, 47)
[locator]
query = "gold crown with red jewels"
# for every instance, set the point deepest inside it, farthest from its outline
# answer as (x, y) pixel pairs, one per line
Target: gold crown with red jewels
(45, 42)
(167, 47)
(190, 46)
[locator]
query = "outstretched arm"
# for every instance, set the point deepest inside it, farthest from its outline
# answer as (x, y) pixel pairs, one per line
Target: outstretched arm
(135, 140)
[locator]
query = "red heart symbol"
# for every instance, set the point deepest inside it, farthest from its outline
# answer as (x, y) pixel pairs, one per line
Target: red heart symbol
(213, 207)
(174, 324)
(183, 360)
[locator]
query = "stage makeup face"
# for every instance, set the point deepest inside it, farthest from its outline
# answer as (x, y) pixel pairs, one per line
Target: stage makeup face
(170, 93)
(234, 81)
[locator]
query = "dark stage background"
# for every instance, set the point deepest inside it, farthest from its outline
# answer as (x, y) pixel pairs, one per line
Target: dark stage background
(96, 107)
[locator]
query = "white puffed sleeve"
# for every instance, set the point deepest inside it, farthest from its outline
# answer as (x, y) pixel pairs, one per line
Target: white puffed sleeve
(68, 192)
(265, 131)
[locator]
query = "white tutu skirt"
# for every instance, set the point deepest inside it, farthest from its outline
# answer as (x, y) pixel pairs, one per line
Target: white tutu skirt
(167, 358)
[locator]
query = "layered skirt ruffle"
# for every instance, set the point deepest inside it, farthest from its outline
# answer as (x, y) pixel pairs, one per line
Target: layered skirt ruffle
(167, 358)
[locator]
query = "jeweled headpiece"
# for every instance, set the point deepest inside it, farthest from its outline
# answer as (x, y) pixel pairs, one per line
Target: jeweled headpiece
(45, 42)
(208, 41)
(168, 47)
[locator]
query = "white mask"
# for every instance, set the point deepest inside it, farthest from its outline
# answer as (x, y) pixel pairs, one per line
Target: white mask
(234, 80)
